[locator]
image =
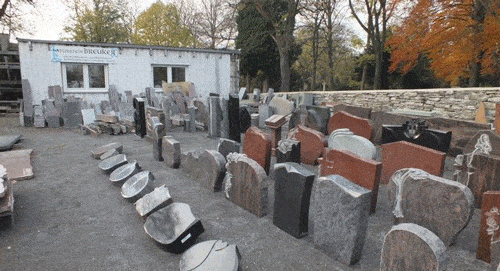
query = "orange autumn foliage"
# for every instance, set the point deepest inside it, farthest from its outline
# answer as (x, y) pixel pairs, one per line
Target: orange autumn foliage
(453, 34)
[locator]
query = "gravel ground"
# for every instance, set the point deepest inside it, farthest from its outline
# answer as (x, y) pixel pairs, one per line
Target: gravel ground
(70, 217)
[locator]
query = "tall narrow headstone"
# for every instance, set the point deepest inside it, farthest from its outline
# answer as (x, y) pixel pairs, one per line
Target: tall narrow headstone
(357, 125)
(114, 97)
(481, 113)
(288, 151)
(224, 124)
(340, 212)
(215, 115)
(140, 117)
(320, 115)
(150, 126)
(233, 107)
(409, 246)
(245, 119)
(311, 143)
(488, 247)
(257, 146)
(226, 146)
(292, 190)
(496, 123)
(484, 175)
(27, 103)
(363, 172)
(443, 206)
(38, 118)
(158, 134)
(265, 111)
(192, 118)
(246, 184)
(402, 154)
(171, 152)
(149, 96)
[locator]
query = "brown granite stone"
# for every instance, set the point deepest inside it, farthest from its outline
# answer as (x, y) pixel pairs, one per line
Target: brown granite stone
(311, 143)
(481, 114)
(246, 184)
(484, 175)
(404, 154)
(206, 167)
(171, 151)
(496, 123)
(357, 125)
(150, 129)
(99, 151)
(363, 172)
(274, 123)
(488, 247)
(486, 142)
(443, 206)
(257, 146)
(18, 164)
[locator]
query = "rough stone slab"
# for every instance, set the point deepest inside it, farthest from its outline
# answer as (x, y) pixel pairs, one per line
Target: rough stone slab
(121, 174)
(137, 186)
(7, 201)
(402, 154)
(443, 206)
(155, 127)
(246, 184)
(211, 255)
(109, 153)
(7, 142)
(18, 164)
(486, 142)
(292, 190)
(153, 201)
(226, 146)
(257, 146)
(362, 112)
(363, 172)
(113, 163)
(357, 125)
(409, 246)
(175, 227)
(171, 152)
(206, 167)
(340, 213)
(99, 151)
(288, 150)
(344, 139)
(311, 143)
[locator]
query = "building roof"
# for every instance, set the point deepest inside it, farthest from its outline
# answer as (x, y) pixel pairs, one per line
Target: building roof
(133, 46)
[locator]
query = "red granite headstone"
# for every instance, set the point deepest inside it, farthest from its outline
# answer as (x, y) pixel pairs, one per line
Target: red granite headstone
(274, 123)
(357, 125)
(489, 232)
(484, 175)
(311, 144)
(257, 146)
(402, 154)
(497, 118)
(363, 172)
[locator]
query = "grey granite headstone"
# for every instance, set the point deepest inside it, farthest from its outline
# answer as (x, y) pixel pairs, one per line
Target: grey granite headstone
(226, 146)
(224, 124)
(242, 93)
(72, 114)
(126, 111)
(215, 116)
(171, 152)
(38, 119)
(114, 97)
(153, 201)
(265, 111)
(121, 174)
(150, 92)
(340, 211)
(113, 163)
(211, 255)
(344, 139)
(157, 137)
(137, 186)
(7, 142)
(255, 119)
(409, 246)
(443, 206)
(321, 116)
(270, 96)
(206, 167)
(175, 227)
(27, 102)
(97, 152)
(192, 118)
(288, 150)
(292, 190)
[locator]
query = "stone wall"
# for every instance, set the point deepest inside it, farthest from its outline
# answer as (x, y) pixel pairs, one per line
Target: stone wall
(455, 103)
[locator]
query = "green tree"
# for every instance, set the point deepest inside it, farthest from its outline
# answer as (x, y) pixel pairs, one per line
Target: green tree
(161, 24)
(100, 21)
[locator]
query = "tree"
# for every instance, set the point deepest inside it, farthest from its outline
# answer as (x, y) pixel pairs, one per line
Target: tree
(100, 21)
(215, 22)
(161, 24)
(11, 16)
(461, 38)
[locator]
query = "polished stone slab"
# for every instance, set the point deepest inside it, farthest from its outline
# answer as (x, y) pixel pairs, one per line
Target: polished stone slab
(211, 255)
(357, 125)
(113, 163)
(153, 201)
(99, 151)
(7, 142)
(109, 153)
(488, 247)
(226, 146)
(137, 186)
(123, 173)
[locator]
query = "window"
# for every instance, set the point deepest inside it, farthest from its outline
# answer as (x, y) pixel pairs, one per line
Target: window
(85, 77)
(168, 74)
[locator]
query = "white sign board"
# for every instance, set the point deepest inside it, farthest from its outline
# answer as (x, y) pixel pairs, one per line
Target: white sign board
(81, 54)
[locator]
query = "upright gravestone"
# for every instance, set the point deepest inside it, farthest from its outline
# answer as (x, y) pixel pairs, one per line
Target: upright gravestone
(481, 114)
(114, 97)
(174, 227)
(246, 184)
(171, 151)
(233, 110)
(402, 154)
(363, 172)
(206, 167)
(215, 115)
(283, 106)
(292, 190)
(140, 117)
(52, 115)
(265, 111)
(192, 118)
(340, 213)
(150, 126)
(153, 201)
(38, 119)
(357, 125)
(257, 146)
(409, 246)
(486, 142)
(275, 122)
(137, 186)
(443, 206)
(288, 151)
(344, 139)
(496, 123)
(320, 115)
(150, 92)
(311, 143)
(72, 114)
(224, 124)
(245, 119)
(158, 134)
(488, 247)
(484, 175)
(362, 112)
(27, 103)
(226, 146)
(211, 255)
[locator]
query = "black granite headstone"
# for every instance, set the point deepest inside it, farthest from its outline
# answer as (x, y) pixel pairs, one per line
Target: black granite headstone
(319, 116)
(226, 146)
(245, 119)
(288, 150)
(292, 196)
(140, 117)
(417, 132)
(175, 227)
(137, 186)
(234, 117)
(121, 174)
(211, 255)
(113, 163)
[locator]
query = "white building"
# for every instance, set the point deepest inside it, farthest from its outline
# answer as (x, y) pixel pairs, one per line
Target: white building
(87, 70)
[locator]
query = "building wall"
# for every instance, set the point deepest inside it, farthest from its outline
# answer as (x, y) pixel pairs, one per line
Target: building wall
(456, 103)
(209, 70)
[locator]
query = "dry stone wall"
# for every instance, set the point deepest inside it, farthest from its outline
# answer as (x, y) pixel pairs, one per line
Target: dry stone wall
(455, 103)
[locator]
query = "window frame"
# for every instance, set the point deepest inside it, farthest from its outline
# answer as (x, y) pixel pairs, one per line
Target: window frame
(86, 79)
(169, 73)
